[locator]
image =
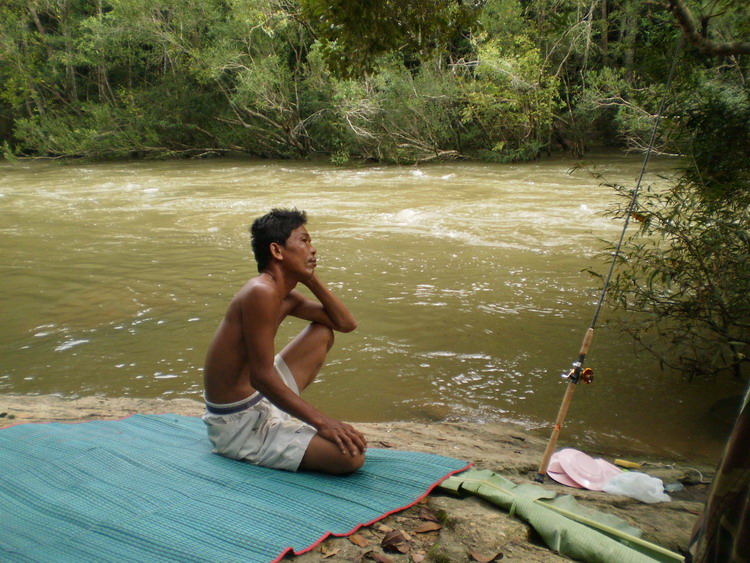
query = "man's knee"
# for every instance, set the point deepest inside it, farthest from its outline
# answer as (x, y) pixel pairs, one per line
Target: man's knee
(348, 464)
(323, 456)
(325, 334)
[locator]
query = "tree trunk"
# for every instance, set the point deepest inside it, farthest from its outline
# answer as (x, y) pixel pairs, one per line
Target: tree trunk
(102, 78)
(629, 33)
(71, 85)
(40, 29)
(605, 31)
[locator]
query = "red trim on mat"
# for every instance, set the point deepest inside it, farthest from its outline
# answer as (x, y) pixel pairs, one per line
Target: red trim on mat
(358, 526)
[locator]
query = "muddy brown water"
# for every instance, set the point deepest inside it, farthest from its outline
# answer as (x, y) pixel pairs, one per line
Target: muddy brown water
(466, 278)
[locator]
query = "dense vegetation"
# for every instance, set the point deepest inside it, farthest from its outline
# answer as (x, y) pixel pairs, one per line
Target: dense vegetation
(384, 80)
(396, 81)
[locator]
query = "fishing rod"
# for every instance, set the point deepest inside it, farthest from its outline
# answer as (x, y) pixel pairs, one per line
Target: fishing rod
(578, 373)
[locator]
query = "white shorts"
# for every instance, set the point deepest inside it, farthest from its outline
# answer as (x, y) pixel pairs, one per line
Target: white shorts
(257, 431)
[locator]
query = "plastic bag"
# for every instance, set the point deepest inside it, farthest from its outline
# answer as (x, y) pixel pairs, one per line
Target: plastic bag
(637, 485)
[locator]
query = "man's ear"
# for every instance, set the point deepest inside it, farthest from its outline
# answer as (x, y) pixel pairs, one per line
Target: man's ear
(276, 251)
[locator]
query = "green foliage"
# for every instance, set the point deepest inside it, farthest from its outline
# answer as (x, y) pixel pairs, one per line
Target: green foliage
(354, 35)
(503, 21)
(393, 81)
(8, 153)
(71, 135)
(510, 101)
(417, 114)
(718, 121)
(685, 276)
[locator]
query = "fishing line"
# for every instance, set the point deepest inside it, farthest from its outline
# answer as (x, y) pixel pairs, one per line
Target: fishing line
(634, 198)
(578, 373)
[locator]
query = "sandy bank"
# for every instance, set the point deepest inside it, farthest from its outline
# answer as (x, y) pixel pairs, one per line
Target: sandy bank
(472, 525)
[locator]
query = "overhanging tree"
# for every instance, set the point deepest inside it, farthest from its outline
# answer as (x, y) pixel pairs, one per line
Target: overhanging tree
(685, 273)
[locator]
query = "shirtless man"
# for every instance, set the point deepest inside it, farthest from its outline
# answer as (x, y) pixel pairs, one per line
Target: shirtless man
(253, 409)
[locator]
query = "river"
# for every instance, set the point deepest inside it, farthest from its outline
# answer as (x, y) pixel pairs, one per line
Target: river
(466, 278)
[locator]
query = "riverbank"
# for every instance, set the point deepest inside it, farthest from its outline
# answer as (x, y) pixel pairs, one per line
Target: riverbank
(468, 525)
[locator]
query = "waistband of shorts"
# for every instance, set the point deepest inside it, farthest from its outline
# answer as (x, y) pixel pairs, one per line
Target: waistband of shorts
(231, 408)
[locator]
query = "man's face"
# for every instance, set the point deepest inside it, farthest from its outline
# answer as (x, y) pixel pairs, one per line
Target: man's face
(299, 253)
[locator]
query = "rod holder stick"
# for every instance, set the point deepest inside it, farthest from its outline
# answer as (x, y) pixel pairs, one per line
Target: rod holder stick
(574, 376)
(555, 432)
(563, 412)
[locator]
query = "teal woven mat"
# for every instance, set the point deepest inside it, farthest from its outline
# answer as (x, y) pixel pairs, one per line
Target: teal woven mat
(147, 488)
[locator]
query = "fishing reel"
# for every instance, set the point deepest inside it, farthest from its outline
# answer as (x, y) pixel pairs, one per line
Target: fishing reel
(577, 375)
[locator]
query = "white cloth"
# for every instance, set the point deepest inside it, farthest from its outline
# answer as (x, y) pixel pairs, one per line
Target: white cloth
(262, 433)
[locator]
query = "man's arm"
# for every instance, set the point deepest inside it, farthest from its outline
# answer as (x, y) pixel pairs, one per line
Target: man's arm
(329, 310)
(260, 316)
(261, 312)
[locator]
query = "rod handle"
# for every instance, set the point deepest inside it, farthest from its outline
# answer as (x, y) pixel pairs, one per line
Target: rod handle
(586, 344)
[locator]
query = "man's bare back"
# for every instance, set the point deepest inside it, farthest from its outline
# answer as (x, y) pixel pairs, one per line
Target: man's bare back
(241, 357)
(226, 371)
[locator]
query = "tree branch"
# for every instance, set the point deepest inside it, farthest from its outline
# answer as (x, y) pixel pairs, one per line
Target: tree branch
(686, 22)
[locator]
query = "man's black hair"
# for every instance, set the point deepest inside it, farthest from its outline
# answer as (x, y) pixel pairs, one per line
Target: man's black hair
(274, 226)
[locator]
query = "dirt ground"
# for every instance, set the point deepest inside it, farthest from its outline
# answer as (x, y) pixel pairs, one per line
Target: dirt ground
(442, 528)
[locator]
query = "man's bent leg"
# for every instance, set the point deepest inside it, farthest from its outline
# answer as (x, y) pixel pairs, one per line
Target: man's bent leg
(306, 354)
(325, 457)
(304, 357)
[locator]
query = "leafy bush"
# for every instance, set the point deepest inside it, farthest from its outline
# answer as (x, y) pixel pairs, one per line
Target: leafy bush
(685, 276)
(685, 273)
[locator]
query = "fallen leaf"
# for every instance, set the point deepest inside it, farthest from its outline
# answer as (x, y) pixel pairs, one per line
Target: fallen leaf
(385, 529)
(395, 541)
(418, 557)
(427, 514)
(482, 559)
(328, 552)
(356, 539)
(427, 527)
